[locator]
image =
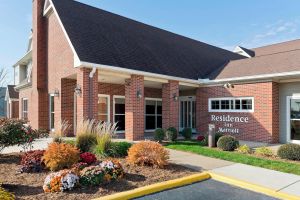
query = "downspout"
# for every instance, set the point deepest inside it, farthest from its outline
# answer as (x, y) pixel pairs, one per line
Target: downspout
(91, 95)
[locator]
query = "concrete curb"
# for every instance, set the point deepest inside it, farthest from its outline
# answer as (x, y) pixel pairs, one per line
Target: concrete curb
(252, 187)
(142, 191)
(158, 187)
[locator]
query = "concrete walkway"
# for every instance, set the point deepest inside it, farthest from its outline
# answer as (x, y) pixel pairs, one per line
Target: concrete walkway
(278, 181)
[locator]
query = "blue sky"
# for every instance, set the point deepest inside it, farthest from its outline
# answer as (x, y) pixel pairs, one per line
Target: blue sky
(218, 22)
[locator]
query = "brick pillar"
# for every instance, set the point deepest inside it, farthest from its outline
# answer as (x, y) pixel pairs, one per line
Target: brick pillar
(170, 106)
(87, 102)
(134, 108)
(275, 112)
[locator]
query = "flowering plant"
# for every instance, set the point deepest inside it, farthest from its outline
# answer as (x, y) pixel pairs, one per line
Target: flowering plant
(113, 170)
(32, 161)
(200, 138)
(88, 158)
(92, 175)
(60, 181)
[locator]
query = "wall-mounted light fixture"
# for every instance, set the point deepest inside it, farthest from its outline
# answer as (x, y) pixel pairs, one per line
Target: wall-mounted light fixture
(228, 85)
(77, 90)
(175, 97)
(139, 94)
(56, 92)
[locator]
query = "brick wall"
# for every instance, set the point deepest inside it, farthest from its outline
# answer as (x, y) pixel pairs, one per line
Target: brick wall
(263, 123)
(134, 108)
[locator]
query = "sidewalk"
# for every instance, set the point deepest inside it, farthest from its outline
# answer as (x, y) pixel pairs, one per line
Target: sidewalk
(271, 179)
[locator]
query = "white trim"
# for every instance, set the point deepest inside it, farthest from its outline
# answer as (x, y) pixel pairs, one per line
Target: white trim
(51, 129)
(117, 97)
(76, 58)
(137, 72)
(108, 106)
(234, 110)
(288, 119)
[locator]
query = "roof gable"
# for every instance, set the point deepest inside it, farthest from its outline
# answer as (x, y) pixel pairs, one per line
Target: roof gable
(105, 38)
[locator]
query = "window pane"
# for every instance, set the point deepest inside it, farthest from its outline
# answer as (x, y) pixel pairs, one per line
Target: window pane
(224, 104)
(52, 104)
(120, 119)
(159, 122)
(119, 106)
(102, 105)
(52, 120)
(150, 107)
(215, 105)
(150, 122)
(246, 104)
(231, 104)
(238, 104)
(159, 107)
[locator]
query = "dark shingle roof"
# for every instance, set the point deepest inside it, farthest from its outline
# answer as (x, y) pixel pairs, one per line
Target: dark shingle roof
(13, 94)
(105, 38)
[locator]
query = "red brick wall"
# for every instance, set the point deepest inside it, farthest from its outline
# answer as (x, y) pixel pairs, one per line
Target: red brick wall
(15, 109)
(134, 108)
(263, 123)
(170, 107)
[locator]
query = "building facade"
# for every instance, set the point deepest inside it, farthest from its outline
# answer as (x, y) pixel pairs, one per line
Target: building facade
(89, 63)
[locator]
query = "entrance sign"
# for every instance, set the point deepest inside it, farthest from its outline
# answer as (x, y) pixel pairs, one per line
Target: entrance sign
(228, 123)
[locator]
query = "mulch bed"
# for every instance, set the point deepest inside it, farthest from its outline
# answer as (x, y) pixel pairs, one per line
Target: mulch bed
(29, 185)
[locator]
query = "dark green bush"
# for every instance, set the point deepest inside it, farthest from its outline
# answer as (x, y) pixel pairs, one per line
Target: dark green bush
(187, 133)
(172, 134)
(227, 143)
(217, 137)
(289, 151)
(86, 141)
(118, 149)
(159, 134)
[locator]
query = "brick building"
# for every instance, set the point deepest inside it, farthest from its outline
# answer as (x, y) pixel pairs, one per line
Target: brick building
(83, 62)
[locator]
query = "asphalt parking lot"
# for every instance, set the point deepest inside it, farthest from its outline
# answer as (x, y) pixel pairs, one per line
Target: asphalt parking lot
(207, 190)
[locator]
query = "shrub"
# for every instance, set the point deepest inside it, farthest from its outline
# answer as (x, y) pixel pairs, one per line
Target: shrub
(79, 166)
(200, 138)
(60, 155)
(264, 151)
(61, 130)
(16, 132)
(148, 153)
(70, 142)
(244, 149)
(93, 175)
(42, 133)
(289, 151)
(118, 149)
(32, 161)
(159, 134)
(227, 143)
(187, 133)
(60, 181)
(217, 137)
(5, 195)
(86, 141)
(172, 134)
(88, 158)
(113, 170)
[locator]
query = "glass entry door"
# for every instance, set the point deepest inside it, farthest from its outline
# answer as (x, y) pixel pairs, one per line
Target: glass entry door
(294, 119)
(187, 113)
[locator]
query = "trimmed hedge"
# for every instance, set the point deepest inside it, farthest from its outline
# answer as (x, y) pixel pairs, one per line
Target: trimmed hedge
(187, 133)
(289, 151)
(227, 143)
(172, 134)
(159, 134)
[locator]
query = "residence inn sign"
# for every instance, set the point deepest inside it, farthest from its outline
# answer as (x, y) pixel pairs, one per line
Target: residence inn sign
(229, 123)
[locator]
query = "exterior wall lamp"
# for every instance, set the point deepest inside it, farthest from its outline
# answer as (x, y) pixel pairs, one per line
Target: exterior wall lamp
(56, 92)
(228, 85)
(77, 90)
(175, 97)
(139, 94)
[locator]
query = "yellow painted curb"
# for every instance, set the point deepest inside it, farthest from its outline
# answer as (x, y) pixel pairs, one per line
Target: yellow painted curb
(253, 187)
(142, 191)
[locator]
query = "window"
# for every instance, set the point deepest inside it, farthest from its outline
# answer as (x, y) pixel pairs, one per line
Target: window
(231, 104)
(25, 108)
(153, 114)
(119, 112)
(103, 107)
(52, 112)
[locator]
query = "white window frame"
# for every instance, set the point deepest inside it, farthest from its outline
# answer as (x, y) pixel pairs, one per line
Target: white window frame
(114, 112)
(152, 99)
(23, 111)
(108, 105)
(50, 121)
(288, 118)
(233, 110)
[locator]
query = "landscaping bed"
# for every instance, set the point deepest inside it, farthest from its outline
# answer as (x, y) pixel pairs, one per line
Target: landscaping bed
(30, 185)
(273, 163)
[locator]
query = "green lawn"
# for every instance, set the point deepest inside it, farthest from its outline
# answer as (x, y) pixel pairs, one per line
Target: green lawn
(195, 147)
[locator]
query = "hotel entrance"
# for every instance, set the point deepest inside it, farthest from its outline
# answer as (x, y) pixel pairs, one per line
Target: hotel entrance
(293, 115)
(187, 115)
